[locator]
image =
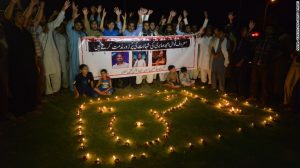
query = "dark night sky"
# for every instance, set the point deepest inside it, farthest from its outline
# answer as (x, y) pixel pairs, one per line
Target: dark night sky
(282, 12)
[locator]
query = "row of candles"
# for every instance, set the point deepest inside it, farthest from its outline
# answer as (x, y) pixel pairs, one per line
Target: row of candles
(171, 149)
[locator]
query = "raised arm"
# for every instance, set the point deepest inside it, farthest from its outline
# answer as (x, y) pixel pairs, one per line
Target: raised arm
(28, 12)
(148, 15)
(162, 25)
(102, 20)
(201, 31)
(118, 12)
(251, 26)
(124, 23)
(10, 9)
(39, 14)
(185, 20)
(99, 10)
(70, 25)
(171, 16)
(60, 18)
(177, 27)
(85, 12)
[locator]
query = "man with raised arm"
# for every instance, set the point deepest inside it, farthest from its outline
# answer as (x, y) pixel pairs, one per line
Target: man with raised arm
(91, 27)
(51, 55)
(110, 30)
(74, 32)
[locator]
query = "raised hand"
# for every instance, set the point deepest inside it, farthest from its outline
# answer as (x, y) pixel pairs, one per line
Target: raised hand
(140, 12)
(251, 25)
(163, 20)
(117, 11)
(231, 16)
(93, 9)
(75, 11)
(74, 6)
(150, 12)
(67, 4)
(99, 9)
(85, 11)
(124, 17)
(42, 4)
(144, 11)
(104, 12)
(34, 2)
(172, 13)
(205, 14)
(185, 13)
(130, 14)
(179, 19)
(15, 1)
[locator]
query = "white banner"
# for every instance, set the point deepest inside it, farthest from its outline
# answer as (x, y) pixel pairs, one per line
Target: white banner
(132, 56)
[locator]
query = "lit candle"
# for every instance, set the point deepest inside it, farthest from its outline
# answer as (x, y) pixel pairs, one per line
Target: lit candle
(129, 95)
(246, 103)
(219, 136)
(270, 118)
(97, 161)
(81, 146)
(139, 124)
(239, 129)
(132, 157)
(171, 149)
(201, 141)
(143, 155)
(127, 143)
(190, 145)
(141, 94)
(252, 125)
(264, 122)
(115, 159)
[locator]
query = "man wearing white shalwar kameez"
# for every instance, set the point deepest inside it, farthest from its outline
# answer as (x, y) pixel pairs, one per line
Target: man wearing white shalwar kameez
(51, 55)
(60, 38)
(200, 41)
(204, 61)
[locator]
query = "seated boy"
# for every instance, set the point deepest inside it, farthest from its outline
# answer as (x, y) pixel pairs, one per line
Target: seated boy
(185, 78)
(84, 82)
(172, 79)
(104, 85)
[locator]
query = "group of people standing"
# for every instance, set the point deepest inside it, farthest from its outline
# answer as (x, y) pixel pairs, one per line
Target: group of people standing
(40, 55)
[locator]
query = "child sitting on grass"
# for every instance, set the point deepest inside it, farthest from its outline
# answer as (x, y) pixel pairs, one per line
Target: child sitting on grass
(84, 82)
(172, 80)
(104, 85)
(185, 78)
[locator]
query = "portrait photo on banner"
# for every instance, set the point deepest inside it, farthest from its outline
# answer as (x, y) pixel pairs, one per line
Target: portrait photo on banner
(140, 58)
(159, 57)
(120, 60)
(94, 46)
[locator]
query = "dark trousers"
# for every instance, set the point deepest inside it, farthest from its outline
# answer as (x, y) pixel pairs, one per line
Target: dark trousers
(259, 82)
(123, 82)
(240, 80)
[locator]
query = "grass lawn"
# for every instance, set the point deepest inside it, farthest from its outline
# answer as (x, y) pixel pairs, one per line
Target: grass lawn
(51, 139)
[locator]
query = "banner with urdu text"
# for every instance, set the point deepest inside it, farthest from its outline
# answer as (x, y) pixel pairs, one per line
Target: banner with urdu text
(132, 56)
